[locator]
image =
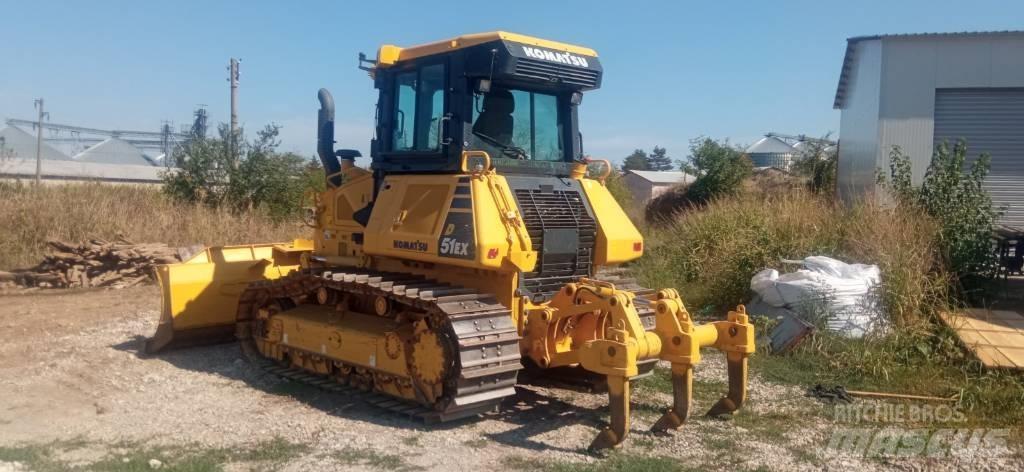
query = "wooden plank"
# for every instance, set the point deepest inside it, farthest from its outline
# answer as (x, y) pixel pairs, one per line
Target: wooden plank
(996, 337)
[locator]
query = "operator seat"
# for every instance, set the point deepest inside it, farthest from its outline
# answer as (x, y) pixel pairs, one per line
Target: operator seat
(496, 120)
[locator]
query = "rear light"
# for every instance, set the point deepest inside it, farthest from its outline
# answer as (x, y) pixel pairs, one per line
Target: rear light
(638, 246)
(492, 253)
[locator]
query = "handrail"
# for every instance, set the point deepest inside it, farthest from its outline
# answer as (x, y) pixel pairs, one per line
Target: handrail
(607, 167)
(467, 155)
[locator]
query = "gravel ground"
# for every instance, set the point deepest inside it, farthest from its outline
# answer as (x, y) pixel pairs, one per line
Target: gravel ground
(71, 377)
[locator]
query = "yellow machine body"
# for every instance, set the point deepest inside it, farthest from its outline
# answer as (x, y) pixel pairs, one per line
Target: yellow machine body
(199, 296)
(340, 310)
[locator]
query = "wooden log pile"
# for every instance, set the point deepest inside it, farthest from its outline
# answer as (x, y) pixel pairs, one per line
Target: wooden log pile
(98, 263)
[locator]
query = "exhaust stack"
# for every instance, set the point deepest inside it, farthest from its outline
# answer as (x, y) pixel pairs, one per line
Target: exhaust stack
(325, 138)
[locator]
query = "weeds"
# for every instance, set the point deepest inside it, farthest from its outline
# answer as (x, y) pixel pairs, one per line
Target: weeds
(711, 253)
(79, 212)
(478, 443)
(372, 459)
(614, 462)
(132, 456)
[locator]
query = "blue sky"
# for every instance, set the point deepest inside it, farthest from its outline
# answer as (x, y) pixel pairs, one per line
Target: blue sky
(673, 70)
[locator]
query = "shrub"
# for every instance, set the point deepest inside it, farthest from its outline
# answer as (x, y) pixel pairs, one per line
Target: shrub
(818, 165)
(718, 167)
(954, 196)
(719, 170)
(259, 177)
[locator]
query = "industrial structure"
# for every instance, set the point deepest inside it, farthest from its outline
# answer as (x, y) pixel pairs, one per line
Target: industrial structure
(916, 91)
(780, 151)
(772, 152)
(646, 185)
(72, 153)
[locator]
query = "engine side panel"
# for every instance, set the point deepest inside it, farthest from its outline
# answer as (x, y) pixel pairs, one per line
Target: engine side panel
(459, 220)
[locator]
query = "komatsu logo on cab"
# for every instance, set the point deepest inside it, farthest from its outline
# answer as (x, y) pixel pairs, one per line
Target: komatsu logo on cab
(411, 245)
(562, 57)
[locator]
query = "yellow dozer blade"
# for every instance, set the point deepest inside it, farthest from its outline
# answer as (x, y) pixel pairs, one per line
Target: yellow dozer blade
(200, 296)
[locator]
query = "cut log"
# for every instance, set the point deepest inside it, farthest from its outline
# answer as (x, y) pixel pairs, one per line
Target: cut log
(97, 263)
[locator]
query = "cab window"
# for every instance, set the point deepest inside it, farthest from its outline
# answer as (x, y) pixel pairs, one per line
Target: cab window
(419, 106)
(518, 124)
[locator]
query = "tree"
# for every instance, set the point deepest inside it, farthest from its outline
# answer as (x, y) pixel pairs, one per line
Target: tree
(953, 195)
(817, 162)
(659, 160)
(261, 177)
(636, 161)
(719, 169)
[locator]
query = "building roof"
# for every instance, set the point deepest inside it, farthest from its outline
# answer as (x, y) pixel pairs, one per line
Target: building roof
(23, 145)
(72, 170)
(663, 177)
(770, 145)
(851, 43)
(114, 151)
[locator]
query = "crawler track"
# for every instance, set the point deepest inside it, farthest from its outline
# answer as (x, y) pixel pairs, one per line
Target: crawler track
(479, 331)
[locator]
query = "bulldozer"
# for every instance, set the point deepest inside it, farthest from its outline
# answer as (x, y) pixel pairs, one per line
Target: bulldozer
(480, 243)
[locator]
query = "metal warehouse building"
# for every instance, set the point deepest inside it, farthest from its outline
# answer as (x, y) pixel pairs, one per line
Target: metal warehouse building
(917, 90)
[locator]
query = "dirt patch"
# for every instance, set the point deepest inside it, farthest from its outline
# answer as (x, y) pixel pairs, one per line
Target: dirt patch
(75, 390)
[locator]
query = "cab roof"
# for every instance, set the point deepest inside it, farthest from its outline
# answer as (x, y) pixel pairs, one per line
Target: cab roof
(390, 54)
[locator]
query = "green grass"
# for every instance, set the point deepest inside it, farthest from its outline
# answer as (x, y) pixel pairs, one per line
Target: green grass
(478, 443)
(36, 457)
(277, 450)
(373, 459)
(135, 457)
(917, 365)
(615, 461)
(660, 381)
(720, 444)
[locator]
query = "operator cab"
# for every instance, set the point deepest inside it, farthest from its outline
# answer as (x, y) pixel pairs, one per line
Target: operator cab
(512, 96)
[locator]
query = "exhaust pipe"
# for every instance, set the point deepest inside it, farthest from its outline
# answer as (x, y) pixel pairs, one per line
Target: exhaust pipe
(325, 138)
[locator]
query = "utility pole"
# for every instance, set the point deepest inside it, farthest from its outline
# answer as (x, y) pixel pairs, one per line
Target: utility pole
(39, 140)
(233, 68)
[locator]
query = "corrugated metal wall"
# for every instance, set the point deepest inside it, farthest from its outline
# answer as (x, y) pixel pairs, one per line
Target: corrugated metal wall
(992, 122)
(858, 125)
(777, 160)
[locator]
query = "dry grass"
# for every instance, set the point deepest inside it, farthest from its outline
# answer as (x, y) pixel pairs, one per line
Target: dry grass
(903, 242)
(712, 252)
(79, 212)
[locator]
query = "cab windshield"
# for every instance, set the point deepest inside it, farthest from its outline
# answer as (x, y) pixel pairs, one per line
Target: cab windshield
(518, 124)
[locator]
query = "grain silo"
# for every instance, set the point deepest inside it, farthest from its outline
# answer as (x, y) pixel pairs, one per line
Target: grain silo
(770, 151)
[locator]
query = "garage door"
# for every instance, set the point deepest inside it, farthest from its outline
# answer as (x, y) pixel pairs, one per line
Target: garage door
(992, 121)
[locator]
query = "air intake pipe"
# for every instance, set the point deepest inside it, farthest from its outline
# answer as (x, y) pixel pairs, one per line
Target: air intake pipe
(325, 138)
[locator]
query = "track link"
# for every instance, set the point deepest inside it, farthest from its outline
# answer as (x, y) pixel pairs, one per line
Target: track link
(486, 343)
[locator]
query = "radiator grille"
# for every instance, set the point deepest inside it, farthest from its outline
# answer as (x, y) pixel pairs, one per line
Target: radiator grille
(555, 210)
(550, 72)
